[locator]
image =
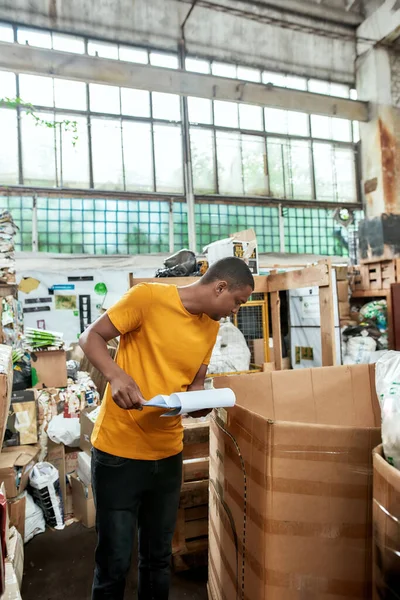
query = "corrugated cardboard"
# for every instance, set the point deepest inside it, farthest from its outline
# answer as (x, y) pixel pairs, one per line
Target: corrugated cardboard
(22, 419)
(64, 460)
(16, 513)
(49, 369)
(386, 517)
(19, 459)
(83, 501)
(291, 485)
(86, 430)
(15, 554)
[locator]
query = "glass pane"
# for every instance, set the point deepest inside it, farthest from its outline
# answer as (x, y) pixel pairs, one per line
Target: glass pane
(296, 83)
(36, 90)
(276, 160)
(276, 120)
(226, 114)
(74, 153)
(32, 37)
(300, 175)
(202, 151)
(107, 154)
(168, 155)
(38, 151)
(104, 98)
(200, 110)
(340, 90)
(274, 78)
(356, 131)
(197, 65)
(103, 49)
(138, 156)
(6, 33)
(8, 150)
(297, 123)
(229, 163)
(250, 117)
(323, 166)
(318, 87)
(70, 94)
(135, 55)
(135, 102)
(321, 127)
(345, 175)
(341, 130)
(158, 59)
(7, 85)
(166, 106)
(253, 155)
(223, 70)
(68, 43)
(248, 74)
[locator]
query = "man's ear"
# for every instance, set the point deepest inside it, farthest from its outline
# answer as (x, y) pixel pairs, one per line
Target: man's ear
(221, 287)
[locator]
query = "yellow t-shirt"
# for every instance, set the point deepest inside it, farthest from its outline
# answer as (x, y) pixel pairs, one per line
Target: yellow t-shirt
(162, 347)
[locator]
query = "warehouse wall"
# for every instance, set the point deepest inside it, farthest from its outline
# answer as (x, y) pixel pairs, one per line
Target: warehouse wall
(318, 49)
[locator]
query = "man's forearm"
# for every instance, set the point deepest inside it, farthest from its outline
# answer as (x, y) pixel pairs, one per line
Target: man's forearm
(95, 348)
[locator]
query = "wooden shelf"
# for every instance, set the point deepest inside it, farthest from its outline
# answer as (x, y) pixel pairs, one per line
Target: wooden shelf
(370, 294)
(259, 280)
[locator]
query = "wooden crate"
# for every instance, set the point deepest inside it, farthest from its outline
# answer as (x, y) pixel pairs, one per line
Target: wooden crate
(375, 276)
(190, 542)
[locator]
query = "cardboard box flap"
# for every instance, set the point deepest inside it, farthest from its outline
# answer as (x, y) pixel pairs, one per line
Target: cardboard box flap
(342, 396)
(18, 456)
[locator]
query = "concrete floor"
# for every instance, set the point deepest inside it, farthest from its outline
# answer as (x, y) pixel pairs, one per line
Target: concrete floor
(59, 566)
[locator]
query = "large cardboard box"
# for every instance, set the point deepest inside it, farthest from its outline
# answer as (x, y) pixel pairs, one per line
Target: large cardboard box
(15, 465)
(386, 517)
(49, 369)
(65, 461)
(82, 497)
(22, 419)
(291, 485)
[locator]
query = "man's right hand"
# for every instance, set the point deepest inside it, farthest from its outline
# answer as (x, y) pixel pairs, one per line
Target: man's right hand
(126, 393)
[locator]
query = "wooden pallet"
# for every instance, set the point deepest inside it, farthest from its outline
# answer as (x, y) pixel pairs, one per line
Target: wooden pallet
(375, 276)
(190, 542)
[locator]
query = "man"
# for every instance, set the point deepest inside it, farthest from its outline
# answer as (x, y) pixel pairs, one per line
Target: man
(167, 334)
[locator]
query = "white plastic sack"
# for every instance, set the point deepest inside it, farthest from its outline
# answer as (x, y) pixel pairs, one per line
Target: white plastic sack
(45, 483)
(358, 350)
(84, 468)
(64, 431)
(387, 381)
(231, 352)
(34, 519)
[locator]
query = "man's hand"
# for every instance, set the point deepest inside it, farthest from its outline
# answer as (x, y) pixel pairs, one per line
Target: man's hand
(126, 393)
(198, 413)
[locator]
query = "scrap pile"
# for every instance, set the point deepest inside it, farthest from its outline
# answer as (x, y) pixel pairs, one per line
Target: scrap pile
(8, 229)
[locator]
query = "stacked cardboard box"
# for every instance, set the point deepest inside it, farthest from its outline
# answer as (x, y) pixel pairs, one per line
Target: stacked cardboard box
(291, 485)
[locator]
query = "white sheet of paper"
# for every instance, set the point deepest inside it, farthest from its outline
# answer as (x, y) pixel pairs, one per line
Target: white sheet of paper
(187, 402)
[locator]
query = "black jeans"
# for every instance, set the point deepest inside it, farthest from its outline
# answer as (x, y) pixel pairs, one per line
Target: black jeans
(128, 493)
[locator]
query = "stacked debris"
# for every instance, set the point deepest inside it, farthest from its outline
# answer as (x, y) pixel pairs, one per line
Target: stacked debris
(8, 230)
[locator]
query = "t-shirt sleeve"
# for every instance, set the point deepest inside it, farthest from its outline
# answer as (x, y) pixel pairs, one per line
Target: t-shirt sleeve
(207, 358)
(128, 313)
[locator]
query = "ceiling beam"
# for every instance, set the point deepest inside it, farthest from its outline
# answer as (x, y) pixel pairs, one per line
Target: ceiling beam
(381, 27)
(38, 61)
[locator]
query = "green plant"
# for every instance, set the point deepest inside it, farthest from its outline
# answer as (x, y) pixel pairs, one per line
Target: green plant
(65, 124)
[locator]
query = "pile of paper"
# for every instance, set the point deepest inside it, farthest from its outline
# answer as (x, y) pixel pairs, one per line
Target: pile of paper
(8, 229)
(40, 339)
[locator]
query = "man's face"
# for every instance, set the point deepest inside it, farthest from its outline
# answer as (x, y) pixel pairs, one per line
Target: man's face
(225, 302)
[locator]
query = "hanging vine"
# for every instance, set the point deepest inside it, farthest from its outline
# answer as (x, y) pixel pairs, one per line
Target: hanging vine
(66, 124)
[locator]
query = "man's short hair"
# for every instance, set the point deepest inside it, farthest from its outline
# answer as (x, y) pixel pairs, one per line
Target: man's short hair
(232, 270)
